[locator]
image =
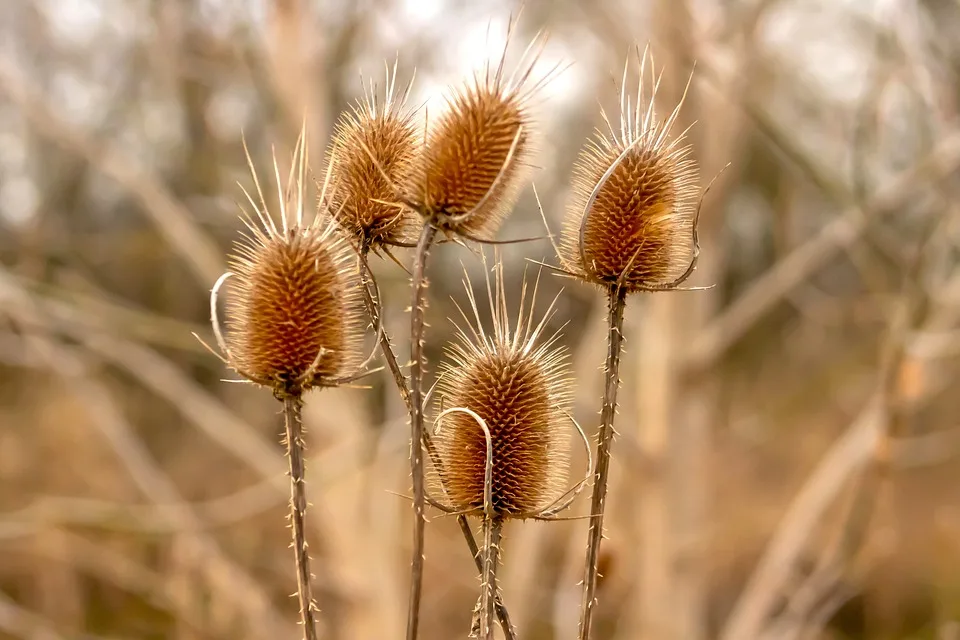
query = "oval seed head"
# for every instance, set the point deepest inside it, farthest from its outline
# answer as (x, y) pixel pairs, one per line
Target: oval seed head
(521, 386)
(633, 205)
(477, 152)
(294, 314)
(373, 153)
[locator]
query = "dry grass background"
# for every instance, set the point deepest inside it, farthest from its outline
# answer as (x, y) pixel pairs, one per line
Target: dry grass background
(788, 460)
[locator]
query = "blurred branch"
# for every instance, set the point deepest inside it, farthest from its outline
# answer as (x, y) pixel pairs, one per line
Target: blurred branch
(119, 318)
(102, 562)
(165, 379)
(171, 218)
(20, 623)
(225, 577)
(886, 429)
(844, 458)
(770, 288)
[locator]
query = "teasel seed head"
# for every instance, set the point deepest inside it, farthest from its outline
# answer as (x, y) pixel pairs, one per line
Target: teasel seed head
(631, 219)
(374, 152)
(294, 316)
(519, 383)
(477, 152)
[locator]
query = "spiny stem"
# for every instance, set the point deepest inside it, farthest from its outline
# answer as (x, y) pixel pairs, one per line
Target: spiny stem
(616, 297)
(375, 311)
(427, 237)
(293, 423)
(509, 633)
(492, 534)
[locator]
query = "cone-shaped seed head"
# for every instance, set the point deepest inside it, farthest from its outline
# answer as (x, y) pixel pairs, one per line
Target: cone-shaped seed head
(373, 154)
(522, 390)
(633, 201)
(476, 154)
(294, 314)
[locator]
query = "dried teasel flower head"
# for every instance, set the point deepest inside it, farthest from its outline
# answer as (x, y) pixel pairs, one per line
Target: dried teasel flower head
(478, 151)
(519, 384)
(294, 316)
(631, 219)
(374, 150)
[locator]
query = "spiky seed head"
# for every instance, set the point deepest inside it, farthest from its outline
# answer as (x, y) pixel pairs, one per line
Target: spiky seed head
(294, 317)
(372, 155)
(477, 152)
(520, 384)
(632, 208)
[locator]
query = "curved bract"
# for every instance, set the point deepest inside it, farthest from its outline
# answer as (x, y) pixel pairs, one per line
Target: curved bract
(519, 384)
(631, 216)
(477, 152)
(294, 316)
(373, 155)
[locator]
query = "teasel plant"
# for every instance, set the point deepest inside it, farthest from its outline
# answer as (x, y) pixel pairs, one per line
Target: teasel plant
(630, 227)
(372, 155)
(374, 151)
(294, 322)
(502, 414)
(471, 169)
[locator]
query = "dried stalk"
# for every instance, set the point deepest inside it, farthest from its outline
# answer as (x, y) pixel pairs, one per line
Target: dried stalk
(492, 535)
(617, 297)
(427, 236)
(509, 633)
(293, 423)
(375, 310)
(371, 299)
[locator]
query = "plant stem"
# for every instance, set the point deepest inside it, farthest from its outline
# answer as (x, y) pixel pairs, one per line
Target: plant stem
(509, 633)
(492, 534)
(374, 307)
(293, 423)
(427, 237)
(616, 298)
(375, 311)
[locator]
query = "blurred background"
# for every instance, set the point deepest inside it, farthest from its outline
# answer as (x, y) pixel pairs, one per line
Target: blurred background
(788, 459)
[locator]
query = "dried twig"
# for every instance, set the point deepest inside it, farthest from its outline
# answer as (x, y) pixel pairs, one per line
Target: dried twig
(616, 301)
(427, 237)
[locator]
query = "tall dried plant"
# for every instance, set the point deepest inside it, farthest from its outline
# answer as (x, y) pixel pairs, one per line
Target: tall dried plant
(631, 226)
(294, 322)
(374, 153)
(474, 159)
(295, 314)
(503, 440)
(375, 148)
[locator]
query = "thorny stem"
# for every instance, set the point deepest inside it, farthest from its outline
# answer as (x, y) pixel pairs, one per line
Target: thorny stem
(293, 423)
(375, 311)
(427, 237)
(492, 534)
(617, 297)
(509, 633)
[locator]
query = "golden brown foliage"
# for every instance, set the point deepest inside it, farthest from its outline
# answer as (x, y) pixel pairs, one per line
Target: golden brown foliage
(634, 198)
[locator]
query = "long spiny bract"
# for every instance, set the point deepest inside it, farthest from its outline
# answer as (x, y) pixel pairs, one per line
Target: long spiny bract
(478, 151)
(520, 384)
(633, 205)
(373, 155)
(294, 318)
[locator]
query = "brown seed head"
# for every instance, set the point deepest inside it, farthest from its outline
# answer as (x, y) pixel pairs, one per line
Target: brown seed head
(522, 390)
(633, 206)
(294, 317)
(477, 153)
(373, 153)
